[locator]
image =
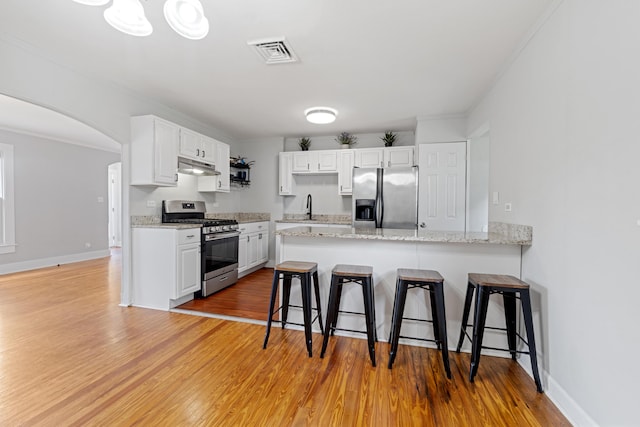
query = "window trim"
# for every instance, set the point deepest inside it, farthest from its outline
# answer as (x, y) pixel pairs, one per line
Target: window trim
(8, 242)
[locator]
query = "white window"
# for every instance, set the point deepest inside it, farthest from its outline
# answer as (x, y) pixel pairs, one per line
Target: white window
(7, 211)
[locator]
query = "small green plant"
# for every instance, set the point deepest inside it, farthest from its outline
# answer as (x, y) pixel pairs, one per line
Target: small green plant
(389, 138)
(345, 138)
(304, 143)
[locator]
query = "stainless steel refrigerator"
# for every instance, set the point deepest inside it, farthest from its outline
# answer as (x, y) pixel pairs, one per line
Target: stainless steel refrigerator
(385, 198)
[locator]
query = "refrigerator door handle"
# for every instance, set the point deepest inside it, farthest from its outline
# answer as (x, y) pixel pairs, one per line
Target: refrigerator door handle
(379, 199)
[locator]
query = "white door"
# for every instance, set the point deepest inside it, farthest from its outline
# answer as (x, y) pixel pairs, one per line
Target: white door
(442, 169)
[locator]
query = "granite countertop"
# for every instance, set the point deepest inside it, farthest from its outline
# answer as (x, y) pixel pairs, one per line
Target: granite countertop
(155, 221)
(316, 219)
(167, 226)
(500, 233)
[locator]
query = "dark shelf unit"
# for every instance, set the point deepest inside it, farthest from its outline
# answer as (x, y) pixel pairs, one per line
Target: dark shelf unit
(240, 173)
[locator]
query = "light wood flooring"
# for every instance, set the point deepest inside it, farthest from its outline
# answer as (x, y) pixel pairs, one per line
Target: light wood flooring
(69, 355)
(248, 298)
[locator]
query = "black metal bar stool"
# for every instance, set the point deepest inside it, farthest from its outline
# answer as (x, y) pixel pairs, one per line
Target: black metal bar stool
(511, 289)
(431, 281)
(361, 275)
(305, 271)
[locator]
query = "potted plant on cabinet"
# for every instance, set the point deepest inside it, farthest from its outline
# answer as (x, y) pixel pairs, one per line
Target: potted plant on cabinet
(389, 138)
(304, 143)
(346, 139)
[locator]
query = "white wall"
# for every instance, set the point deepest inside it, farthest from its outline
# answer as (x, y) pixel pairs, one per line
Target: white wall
(262, 194)
(57, 186)
(478, 182)
(564, 151)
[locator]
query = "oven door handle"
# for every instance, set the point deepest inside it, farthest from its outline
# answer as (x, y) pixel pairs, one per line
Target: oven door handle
(220, 236)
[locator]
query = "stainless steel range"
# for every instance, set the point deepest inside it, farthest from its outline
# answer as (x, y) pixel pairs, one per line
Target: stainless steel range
(219, 243)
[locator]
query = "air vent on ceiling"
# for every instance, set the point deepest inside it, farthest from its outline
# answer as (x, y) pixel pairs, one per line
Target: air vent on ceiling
(274, 51)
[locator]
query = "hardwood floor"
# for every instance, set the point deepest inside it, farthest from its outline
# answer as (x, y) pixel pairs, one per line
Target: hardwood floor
(248, 298)
(69, 355)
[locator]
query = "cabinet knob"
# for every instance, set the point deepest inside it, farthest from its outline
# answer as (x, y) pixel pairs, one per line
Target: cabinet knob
(219, 184)
(203, 155)
(389, 163)
(197, 151)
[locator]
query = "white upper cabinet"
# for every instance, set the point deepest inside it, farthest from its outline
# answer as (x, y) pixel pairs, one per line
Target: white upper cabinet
(327, 161)
(398, 156)
(369, 157)
(285, 176)
(345, 172)
(315, 161)
(154, 151)
(218, 183)
(197, 146)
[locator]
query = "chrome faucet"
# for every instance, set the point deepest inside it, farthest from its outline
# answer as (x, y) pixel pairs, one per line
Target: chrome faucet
(309, 203)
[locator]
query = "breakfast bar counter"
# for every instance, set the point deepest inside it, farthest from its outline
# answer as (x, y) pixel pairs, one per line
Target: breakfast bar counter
(453, 254)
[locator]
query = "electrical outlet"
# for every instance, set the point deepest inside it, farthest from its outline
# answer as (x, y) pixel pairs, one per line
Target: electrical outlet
(151, 203)
(507, 207)
(87, 245)
(100, 199)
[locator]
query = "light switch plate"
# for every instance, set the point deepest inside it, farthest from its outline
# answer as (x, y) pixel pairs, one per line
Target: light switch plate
(507, 207)
(496, 198)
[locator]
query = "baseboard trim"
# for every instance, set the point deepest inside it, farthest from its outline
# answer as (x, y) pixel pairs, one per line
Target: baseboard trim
(34, 264)
(559, 396)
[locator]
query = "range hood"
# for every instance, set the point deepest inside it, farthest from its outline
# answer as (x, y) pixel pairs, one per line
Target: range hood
(195, 167)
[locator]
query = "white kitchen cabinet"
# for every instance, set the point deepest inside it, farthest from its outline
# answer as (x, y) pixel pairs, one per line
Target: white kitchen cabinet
(189, 264)
(253, 247)
(369, 157)
(154, 151)
(398, 157)
(321, 161)
(346, 162)
(166, 266)
(197, 146)
(285, 173)
(218, 183)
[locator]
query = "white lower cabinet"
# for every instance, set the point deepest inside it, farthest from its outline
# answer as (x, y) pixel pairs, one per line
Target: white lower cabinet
(253, 248)
(166, 266)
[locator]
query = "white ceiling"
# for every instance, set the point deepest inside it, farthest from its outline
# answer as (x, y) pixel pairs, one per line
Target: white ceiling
(380, 63)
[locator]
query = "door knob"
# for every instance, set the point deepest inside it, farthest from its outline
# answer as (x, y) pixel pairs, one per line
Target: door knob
(423, 225)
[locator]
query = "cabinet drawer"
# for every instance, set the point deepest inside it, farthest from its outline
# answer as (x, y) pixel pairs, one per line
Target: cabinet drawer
(190, 235)
(253, 227)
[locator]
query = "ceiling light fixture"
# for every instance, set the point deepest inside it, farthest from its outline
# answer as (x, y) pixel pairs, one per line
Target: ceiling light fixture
(321, 115)
(128, 16)
(92, 2)
(185, 17)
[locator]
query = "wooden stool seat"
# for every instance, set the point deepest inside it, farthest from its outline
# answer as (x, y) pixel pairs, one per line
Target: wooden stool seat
(353, 270)
(497, 280)
(297, 266)
(511, 288)
(361, 275)
(307, 272)
(432, 282)
(419, 275)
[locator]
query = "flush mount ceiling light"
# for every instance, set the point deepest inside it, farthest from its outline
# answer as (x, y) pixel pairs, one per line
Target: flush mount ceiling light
(128, 16)
(321, 115)
(92, 2)
(185, 17)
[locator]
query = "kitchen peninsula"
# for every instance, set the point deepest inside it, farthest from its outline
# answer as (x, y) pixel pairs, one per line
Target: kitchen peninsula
(453, 254)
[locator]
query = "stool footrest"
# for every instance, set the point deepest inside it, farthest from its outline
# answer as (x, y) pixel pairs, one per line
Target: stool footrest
(351, 312)
(418, 320)
(349, 330)
(419, 339)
